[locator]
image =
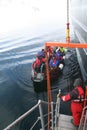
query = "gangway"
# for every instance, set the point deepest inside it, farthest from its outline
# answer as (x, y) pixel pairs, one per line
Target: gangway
(58, 121)
(57, 44)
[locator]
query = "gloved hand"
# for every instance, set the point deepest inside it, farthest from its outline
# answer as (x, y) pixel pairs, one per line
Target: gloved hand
(63, 98)
(64, 57)
(58, 95)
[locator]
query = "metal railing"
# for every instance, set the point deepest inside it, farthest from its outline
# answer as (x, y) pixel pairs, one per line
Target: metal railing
(83, 121)
(54, 113)
(57, 110)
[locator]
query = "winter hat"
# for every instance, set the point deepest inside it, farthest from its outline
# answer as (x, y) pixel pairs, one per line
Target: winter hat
(78, 82)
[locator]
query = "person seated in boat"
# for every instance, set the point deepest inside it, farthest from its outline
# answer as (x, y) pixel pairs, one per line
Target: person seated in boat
(41, 54)
(54, 49)
(59, 55)
(49, 51)
(38, 63)
(53, 63)
(62, 50)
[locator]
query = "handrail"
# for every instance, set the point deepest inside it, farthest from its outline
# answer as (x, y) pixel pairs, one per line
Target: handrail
(81, 125)
(41, 115)
(85, 122)
(52, 115)
(22, 117)
(39, 118)
(57, 109)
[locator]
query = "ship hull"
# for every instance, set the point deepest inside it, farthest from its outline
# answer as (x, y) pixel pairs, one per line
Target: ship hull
(79, 23)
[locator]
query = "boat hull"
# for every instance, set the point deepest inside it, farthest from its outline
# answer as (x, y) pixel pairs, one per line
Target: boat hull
(41, 76)
(40, 79)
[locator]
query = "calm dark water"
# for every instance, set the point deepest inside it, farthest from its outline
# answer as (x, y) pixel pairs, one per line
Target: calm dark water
(17, 52)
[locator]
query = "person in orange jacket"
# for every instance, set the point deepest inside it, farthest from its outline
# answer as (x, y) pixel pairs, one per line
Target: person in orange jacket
(76, 96)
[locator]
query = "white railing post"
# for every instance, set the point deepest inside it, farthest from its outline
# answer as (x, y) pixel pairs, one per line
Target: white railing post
(56, 114)
(52, 116)
(57, 110)
(41, 115)
(85, 123)
(81, 125)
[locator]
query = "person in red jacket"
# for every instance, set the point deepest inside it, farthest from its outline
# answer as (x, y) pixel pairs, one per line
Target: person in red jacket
(76, 96)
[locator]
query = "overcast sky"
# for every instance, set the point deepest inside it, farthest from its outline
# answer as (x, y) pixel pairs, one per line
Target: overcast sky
(16, 14)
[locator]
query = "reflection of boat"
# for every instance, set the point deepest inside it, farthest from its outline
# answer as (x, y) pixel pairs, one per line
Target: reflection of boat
(79, 22)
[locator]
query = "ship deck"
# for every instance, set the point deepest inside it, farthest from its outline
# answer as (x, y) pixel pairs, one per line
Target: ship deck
(65, 123)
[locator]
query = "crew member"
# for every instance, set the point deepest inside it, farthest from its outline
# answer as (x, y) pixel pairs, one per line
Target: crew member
(77, 96)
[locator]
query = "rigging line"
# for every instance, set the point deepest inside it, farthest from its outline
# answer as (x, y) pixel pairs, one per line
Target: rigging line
(67, 11)
(67, 29)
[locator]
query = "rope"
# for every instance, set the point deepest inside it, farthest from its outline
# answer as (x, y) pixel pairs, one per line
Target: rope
(67, 30)
(67, 11)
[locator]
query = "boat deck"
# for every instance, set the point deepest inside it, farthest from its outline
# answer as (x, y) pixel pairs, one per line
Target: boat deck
(65, 123)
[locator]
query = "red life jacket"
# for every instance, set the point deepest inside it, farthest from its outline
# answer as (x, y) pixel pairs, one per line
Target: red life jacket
(37, 63)
(80, 97)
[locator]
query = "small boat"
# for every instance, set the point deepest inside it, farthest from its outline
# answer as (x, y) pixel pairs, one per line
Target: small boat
(41, 75)
(38, 73)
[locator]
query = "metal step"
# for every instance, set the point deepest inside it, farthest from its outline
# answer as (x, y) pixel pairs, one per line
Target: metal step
(64, 123)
